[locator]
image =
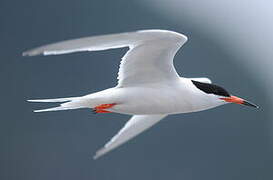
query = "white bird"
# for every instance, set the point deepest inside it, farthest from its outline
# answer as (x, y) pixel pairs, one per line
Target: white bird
(148, 88)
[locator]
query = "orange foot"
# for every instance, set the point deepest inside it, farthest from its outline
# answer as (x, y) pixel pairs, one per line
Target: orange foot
(101, 108)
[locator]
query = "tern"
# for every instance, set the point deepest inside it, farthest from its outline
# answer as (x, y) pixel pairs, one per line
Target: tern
(149, 88)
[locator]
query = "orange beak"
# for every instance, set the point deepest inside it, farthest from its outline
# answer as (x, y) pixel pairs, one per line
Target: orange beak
(237, 100)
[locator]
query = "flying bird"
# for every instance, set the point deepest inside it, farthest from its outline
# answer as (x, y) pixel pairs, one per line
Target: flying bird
(148, 88)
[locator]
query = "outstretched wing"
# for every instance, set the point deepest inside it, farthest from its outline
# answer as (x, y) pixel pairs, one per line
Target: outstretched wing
(136, 125)
(149, 59)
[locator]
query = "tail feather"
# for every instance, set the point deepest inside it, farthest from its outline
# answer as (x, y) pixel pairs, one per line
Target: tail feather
(67, 104)
(59, 108)
(53, 100)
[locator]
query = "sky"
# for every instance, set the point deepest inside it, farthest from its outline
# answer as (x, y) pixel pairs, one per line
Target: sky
(228, 142)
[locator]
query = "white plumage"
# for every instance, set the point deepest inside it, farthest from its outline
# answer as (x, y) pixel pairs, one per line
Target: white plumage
(148, 85)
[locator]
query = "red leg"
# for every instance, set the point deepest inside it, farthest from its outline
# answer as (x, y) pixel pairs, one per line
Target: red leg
(105, 106)
(101, 108)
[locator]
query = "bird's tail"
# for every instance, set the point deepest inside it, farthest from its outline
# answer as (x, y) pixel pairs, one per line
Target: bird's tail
(67, 103)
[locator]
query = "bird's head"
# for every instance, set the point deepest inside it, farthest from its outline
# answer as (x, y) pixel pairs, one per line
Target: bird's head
(221, 94)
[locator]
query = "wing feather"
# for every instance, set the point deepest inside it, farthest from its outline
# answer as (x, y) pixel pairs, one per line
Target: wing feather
(136, 125)
(149, 59)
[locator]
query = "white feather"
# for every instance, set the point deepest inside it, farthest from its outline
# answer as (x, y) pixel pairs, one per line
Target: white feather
(53, 100)
(149, 59)
(136, 125)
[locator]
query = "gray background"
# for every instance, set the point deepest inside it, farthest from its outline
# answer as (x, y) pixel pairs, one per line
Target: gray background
(228, 142)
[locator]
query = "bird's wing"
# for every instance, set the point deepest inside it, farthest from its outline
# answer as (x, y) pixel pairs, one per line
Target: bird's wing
(136, 125)
(149, 59)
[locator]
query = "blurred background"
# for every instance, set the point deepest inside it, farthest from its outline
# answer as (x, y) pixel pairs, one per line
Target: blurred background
(229, 41)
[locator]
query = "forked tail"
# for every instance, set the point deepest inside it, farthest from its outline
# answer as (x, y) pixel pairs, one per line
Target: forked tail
(67, 103)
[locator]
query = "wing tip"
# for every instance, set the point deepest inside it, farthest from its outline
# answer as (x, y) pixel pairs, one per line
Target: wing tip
(35, 52)
(96, 157)
(99, 153)
(28, 53)
(31, 53)
(25, 53)
(31, 100)
(37, 111)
